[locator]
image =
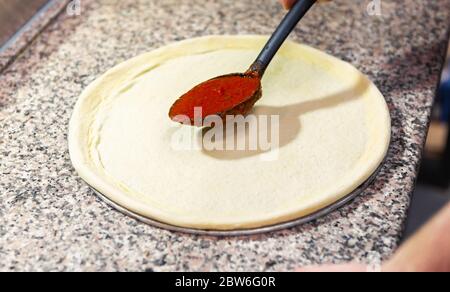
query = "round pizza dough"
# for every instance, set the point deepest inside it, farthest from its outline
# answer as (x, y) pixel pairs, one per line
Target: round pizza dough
(334, 133)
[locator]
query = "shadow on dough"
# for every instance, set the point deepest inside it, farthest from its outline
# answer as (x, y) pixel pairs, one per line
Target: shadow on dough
(290, 125)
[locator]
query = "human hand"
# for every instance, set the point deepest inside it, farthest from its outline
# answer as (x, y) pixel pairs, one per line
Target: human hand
(287, 4)
(426, 251)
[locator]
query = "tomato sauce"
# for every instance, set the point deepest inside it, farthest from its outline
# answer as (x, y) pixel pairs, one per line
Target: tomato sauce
(216, 96)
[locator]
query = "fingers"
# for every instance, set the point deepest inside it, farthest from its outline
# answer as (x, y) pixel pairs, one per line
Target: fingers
(428, 250)
(351, 267)
(287, 4)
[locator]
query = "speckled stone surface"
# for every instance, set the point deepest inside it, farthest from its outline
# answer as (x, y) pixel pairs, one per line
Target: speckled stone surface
(51, 221)
(25, 37)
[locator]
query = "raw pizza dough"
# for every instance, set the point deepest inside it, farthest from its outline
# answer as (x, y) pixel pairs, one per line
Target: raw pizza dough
(334, 133)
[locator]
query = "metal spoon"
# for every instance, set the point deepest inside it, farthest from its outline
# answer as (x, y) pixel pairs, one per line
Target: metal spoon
(178, 111)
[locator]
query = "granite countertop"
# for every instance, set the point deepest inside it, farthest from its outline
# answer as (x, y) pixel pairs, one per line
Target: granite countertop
(51, 221)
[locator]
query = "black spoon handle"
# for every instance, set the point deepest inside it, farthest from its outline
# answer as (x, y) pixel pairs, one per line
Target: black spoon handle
(288, 24)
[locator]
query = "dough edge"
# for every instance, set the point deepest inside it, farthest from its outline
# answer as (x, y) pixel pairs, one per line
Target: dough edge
(91, 98)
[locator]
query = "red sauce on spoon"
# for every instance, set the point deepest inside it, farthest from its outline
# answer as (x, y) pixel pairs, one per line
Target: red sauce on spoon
(218, 96)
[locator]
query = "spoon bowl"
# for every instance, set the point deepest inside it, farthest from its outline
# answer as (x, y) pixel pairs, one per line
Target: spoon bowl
(231, 94)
